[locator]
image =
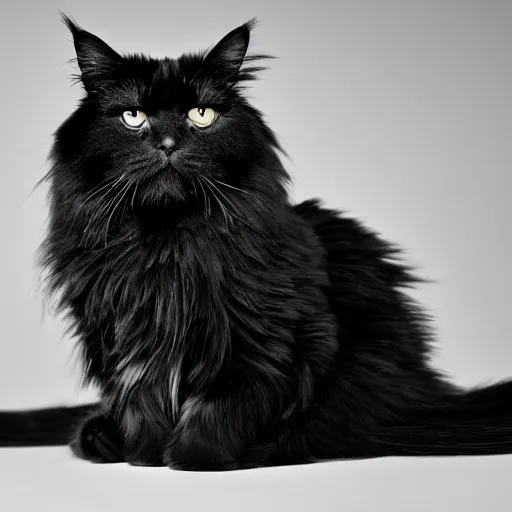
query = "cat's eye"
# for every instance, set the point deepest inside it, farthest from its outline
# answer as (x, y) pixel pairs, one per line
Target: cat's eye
(202, 117)
(134, 119)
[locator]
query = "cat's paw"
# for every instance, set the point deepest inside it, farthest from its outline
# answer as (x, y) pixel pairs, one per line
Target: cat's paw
(187, 466)
(98, 440)
(144, 457)
(192, 458)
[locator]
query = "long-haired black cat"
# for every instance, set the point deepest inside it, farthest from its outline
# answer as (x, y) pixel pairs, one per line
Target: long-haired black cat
(224, 326)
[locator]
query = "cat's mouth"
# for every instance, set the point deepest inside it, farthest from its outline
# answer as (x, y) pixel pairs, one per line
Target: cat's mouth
(165, 184)
(163, 168)
(168, 163)
(167, 168)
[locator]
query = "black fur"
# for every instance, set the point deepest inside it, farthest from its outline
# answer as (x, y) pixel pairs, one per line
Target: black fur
(224, 326)
(47, 427)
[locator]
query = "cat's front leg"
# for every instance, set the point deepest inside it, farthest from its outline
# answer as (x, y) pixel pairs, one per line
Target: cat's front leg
(212, 432)
(203, 438)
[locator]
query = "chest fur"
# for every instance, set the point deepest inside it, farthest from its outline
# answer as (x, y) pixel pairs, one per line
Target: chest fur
(155, 306)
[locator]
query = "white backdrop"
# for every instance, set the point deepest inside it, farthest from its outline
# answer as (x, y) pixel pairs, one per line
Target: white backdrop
(398, 111)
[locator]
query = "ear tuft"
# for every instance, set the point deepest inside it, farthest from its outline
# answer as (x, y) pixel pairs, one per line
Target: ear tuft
(98, 62)
(228, 55)
(70, 23)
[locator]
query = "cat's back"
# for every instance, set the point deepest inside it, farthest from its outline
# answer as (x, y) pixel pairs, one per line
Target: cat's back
(356, 254)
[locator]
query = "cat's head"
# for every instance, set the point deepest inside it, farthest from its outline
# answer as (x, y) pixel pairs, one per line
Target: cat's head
(162, 131)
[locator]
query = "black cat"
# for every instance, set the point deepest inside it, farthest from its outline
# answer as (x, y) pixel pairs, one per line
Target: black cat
(223, 326)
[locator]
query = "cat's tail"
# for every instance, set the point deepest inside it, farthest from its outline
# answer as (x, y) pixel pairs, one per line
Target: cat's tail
(41, 427)
(477, 422)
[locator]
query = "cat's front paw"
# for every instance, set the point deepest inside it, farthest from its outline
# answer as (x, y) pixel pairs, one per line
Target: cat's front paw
(188, 457)
(98, 440)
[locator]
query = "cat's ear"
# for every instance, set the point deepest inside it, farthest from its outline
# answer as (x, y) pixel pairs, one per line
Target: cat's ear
(98, 62)
(228, 55)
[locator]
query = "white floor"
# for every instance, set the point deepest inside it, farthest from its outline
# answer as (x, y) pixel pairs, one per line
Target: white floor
(49, 479)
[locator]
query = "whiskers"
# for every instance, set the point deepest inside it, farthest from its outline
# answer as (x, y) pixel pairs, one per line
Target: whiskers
(227, 214)
(113, 205)
(109, 196)
(112, 183)
(222, 200)
(230, 186)
(206, 197)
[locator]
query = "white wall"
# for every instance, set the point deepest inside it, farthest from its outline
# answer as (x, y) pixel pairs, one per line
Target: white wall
(398, 111)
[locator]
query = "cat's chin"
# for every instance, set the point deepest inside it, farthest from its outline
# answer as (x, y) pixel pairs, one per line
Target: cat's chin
(165, 187)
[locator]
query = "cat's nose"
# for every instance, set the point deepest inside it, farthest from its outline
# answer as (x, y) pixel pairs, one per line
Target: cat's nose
(167, 144)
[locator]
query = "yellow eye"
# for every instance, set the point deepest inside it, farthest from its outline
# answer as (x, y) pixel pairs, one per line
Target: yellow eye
(202, 117)
(134, 118)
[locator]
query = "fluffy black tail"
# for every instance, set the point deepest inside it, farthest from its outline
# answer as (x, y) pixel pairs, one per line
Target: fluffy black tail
(41, 427)
(476, 422)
